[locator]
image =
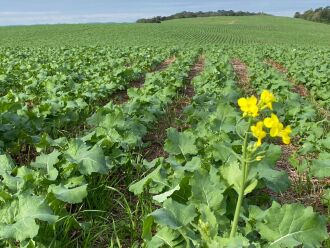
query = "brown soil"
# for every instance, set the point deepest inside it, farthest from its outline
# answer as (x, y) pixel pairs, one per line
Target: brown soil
(165, 64)
(27, 154)
(241, 72)
(174, 116)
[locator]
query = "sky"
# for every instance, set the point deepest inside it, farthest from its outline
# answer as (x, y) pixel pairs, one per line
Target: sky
(29, 12)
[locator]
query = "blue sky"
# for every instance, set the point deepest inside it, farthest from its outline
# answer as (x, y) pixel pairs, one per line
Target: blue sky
(27, 12)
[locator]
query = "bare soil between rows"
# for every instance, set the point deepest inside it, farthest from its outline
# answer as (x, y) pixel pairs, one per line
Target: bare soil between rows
(174, 116)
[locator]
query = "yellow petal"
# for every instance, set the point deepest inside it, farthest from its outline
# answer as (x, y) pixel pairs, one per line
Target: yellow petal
(242, 102)
(268, 122)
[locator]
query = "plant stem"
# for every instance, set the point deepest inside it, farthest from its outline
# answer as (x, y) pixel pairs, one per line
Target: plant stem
(243, 181)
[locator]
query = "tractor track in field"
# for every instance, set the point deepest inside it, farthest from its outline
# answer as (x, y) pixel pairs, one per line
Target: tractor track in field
(121, 97)
(174, 116)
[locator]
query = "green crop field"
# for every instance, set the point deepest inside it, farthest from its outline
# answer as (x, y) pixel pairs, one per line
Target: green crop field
(204, 132)
(198, 31)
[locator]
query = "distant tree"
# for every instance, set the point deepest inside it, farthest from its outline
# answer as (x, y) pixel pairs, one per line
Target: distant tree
(317, 15)
(186, 14)
(297, 15)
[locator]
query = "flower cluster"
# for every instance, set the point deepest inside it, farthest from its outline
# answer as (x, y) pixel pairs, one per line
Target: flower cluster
(251, 107)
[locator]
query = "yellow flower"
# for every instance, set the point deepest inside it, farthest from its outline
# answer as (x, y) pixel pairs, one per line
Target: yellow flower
(249, 106)
(258, 132)
(285, 135)
(274, 124)
(259, 158)
(266, 100)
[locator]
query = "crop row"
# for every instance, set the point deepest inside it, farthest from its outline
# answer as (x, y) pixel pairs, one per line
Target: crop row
(60, 174)
(196, 186)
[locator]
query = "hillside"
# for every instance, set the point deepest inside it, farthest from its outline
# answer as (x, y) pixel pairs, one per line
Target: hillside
(198, 31)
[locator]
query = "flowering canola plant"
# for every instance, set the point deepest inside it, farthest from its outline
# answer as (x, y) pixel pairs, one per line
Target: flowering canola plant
(252, 108)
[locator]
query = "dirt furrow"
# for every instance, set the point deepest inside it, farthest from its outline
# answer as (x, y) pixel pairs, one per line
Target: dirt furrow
(241, 71)
(173, 117)
(165, 64)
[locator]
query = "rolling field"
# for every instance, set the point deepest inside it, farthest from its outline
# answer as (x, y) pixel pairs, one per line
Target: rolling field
(205, 132)
(192, 32)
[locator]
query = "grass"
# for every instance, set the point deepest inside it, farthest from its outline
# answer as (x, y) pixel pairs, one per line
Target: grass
(193, 32)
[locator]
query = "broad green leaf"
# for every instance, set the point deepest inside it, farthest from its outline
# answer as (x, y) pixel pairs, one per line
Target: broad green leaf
(292, 225)
(47, 162)
(89, 160)
(67, 194)
(233, 175)
(207, 188)
(162, 197)
(248, 189)
(321, 166)
(193, 165)
(174, 214)
(180, 143)
(21, 224)
(277, 181)
(138, 187)
(207, 225)
(235, 242)
(165, 236)
(6, 164)
(223, 152)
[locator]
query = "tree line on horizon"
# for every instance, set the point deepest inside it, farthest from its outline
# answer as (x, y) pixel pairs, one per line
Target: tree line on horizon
(187, 14)
(317, 15)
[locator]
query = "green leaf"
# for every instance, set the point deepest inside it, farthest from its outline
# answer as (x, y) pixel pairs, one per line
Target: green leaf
(238, 241)
(223, 152)
(321, 166)
(165, 236)
(47, 162)
(233, 175)
(147, 228)
(208, 226)
(277, 181)
(137, 188)
(88, 160)
(69, 195)
(174, 214)
(180, 143)
(194, 164)
(6, 164)
(20, 220)
(162, 197)
(251, 187)
(292, 225)
(207, 188)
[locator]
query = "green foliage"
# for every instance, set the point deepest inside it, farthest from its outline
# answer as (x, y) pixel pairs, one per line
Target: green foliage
(317, 15)
(291, 226)
(187, 32)
(69, 150)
